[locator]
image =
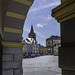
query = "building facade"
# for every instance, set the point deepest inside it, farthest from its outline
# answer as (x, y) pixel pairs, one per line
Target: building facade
(25, 49)
(35, 49)
(31, 43)
(43, 50)
(52, 43)
(29, 49)
(55, 48)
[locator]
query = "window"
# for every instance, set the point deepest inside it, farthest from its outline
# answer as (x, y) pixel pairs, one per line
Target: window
(54, 41)
(36, 49)
(36, 46)
(48, 42)
(39, 52)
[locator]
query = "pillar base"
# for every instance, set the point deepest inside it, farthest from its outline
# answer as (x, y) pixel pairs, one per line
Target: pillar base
(12, 61)
(68, 72)
(67, 60)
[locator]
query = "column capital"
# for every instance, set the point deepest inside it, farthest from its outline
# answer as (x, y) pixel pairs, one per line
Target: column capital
(65, 11)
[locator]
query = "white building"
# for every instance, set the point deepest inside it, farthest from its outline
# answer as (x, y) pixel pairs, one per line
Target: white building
(35, 49)
(30, 41)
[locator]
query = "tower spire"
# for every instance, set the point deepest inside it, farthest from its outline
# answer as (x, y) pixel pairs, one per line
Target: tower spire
(32, 34)
(32, 30)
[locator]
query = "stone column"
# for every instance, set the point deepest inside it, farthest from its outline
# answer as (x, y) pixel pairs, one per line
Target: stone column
(65, 15)
(14, 14)
(3, 6)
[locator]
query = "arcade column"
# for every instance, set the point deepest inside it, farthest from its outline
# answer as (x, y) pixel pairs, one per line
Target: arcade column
(3, 7)
(12, 16)
(65, 15)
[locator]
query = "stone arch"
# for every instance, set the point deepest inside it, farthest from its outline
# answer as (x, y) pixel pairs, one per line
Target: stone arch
(12, 16)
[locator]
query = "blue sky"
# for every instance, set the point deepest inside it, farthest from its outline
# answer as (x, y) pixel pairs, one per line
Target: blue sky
(39, 15)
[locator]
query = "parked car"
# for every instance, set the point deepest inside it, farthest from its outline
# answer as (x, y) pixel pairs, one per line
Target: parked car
(42, 54)
(25, 55)
(37, 55)
(32, 55)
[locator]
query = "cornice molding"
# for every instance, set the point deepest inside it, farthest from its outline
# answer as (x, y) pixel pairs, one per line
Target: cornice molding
(65, 11)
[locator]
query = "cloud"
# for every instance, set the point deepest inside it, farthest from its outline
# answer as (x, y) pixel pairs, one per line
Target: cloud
(45, 6)
(39, 25)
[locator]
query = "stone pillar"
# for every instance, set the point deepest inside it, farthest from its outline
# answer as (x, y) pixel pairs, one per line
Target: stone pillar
(3, 6)
(1, 48)
(65, 15)
(14, 14)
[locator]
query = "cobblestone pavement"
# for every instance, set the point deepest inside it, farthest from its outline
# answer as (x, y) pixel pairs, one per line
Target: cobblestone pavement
(43, 65)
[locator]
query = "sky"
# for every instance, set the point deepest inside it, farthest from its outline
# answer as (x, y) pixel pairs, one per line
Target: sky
(39, 15)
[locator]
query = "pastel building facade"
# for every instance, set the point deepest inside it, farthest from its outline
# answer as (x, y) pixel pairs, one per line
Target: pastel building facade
(35, 49)
(29, 49)
(25, 48)
(43, 50)
(52, 44)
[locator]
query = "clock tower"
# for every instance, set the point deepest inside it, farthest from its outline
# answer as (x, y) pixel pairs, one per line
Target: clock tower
(32, 34)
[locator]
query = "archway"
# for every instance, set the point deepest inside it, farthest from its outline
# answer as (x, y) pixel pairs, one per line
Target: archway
(28, 66)
(7, 27)
(12, 16)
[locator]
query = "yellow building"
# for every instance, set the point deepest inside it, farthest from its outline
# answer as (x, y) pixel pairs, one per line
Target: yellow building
(25, 48)
(42, 50)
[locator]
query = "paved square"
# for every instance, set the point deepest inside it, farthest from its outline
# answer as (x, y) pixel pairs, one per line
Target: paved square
(43, 65)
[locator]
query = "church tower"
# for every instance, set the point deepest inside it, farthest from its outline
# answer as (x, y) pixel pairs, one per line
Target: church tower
(32, 34)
